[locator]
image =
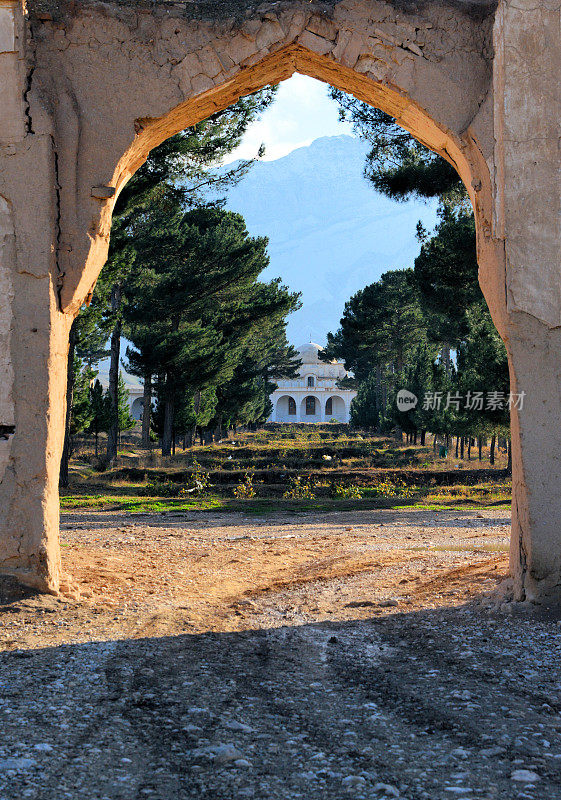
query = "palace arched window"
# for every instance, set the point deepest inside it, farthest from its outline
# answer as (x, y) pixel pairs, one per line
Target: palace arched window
(291, 406)
(310, 406)
(311, 380)
(329, 406)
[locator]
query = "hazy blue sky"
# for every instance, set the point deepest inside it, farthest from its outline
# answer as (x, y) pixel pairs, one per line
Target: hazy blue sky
(302, 112)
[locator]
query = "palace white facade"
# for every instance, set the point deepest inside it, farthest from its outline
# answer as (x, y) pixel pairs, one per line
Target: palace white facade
(136, 403)
(313, 396)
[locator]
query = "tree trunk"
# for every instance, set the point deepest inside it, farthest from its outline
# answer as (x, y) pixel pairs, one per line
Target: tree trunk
(509, 464)
(168, 427)
(63, 477)
(435, 437)
(462, 444)
(446, 360)
(146, 409)
(492, 450)
(457, 445)
(480, 446)
(190, 436)
(113, 432)
(379, 397)
(469, 448)
(218, 428)
(423, 435)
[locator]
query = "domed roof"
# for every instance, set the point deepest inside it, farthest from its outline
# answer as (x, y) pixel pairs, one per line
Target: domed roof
(308, 353)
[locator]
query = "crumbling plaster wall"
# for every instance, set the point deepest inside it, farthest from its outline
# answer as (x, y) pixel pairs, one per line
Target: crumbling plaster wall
(527, 179)
(95, 86)
(120, 79)
(7, 411)
(33, 331)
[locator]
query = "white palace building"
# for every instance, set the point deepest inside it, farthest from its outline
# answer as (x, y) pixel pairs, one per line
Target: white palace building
(313, 396)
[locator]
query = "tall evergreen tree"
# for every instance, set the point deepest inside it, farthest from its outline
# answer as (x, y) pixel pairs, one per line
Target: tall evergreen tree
(365, 408)
(397, 164)
(100, 405)
(176, 174)
(196, 302)
(380, 326)
(78, 416)
(447, 276)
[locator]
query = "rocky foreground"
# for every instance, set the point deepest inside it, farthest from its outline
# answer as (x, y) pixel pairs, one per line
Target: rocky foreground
(348, 656)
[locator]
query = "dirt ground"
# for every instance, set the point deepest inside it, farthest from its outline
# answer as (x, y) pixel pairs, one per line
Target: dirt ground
(145, 575)
(305, 656)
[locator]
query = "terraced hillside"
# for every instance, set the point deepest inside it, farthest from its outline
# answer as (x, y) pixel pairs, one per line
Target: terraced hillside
(298, 466)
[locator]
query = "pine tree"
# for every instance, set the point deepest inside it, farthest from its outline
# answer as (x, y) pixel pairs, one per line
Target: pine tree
(398, 165)
(176, 174)
(196, 302)
(447, 275)
(100, 412)
(483, 367)
(365, 408)
(381, 326)
(125, 421)
(78, 417)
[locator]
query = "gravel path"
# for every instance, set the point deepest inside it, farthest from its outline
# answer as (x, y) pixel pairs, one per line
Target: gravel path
(430, 699)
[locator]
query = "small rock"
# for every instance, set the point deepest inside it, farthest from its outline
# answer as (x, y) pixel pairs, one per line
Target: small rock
(488, 752)
(524, 776)
(192, 728)
(360, 604)
(461, 752)
(464, 695)
(353, 780)
(17, 764)
(226, 752)
(388, 603)
(387, 789)
(234, 725)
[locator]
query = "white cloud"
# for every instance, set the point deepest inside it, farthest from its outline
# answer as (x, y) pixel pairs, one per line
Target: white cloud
(302, 111)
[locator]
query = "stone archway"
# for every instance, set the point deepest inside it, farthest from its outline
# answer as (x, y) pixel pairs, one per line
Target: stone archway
(286, 409)
(311, 408)
(339, 409)
(137, 407)
(89, 89)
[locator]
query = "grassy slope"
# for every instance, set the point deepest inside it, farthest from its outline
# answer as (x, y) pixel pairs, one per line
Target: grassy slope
(284, 453)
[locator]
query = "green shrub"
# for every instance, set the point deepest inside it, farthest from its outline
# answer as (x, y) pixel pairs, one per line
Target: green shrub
(199, 482)
(388, 489)
(299, 489)
(245, 489)
(354, 492)
(161, 489)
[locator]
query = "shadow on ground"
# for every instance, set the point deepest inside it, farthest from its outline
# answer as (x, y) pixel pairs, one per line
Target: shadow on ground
(424, 706)
(209, 519)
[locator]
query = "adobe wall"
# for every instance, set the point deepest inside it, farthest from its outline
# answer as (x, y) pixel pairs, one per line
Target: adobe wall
(91, 87)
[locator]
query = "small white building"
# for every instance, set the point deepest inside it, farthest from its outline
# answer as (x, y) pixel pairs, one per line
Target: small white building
(136, 402)
(313, 396)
